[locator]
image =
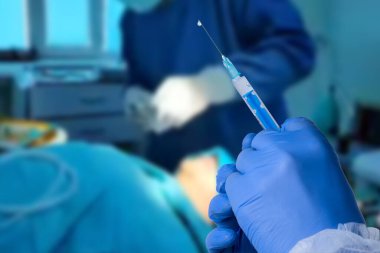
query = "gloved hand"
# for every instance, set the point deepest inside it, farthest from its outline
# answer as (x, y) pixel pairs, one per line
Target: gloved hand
(179, 99)
(227, 237)
(138, 107)
(287, 186)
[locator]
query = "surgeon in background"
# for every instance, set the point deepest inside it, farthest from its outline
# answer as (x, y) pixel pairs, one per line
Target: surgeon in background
(175, 69)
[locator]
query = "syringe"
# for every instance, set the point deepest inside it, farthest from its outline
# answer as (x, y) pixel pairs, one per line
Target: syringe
(246, 91)
(250, 96)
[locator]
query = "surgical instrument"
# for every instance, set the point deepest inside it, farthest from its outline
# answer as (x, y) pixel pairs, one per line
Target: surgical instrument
(246, 91)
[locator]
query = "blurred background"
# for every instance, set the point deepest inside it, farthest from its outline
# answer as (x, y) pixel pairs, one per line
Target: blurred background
(66, 68)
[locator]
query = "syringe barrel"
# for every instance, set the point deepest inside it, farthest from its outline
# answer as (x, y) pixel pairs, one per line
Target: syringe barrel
(255, 104)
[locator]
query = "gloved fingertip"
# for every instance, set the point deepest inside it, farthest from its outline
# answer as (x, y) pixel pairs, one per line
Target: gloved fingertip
(296, 124)
(244, 160)
(222, 176)
(263, 139)
(220, 239)
(220, 208)
(231, 181)
(247, 142)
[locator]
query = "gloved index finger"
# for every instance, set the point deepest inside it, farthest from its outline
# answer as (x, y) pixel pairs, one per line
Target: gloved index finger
(223, 173)
(220, 209)
(264, 139)
(250, 160)
(296, 124)
(247, 142)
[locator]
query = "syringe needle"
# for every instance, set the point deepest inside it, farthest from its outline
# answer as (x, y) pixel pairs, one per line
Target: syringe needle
(246, 91)
(212, 40)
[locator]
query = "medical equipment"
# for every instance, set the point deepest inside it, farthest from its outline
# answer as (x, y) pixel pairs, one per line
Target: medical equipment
(246, 91)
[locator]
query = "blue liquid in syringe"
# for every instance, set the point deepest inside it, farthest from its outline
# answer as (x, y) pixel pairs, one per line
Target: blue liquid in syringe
(250, 97)
(242, 85)
(261, 112)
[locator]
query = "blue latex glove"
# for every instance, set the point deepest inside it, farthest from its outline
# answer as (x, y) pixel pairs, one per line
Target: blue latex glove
(287, 186)
(227, 237)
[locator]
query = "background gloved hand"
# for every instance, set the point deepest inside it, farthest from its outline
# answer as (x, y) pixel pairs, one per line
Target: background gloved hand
(138, 107)
(286, 186)
(179, 99)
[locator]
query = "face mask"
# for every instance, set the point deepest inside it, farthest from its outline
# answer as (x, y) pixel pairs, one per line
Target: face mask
(141, 5)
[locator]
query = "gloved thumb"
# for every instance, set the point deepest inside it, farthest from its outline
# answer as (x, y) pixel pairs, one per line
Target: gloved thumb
(296, 124)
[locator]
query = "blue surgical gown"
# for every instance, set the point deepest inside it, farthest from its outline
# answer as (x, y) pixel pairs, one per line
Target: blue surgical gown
(265, 39)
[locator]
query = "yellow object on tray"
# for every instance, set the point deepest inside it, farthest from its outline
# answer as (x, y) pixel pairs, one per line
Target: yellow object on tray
(22, 134)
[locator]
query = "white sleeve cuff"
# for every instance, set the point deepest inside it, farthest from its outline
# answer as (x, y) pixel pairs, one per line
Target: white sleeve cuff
(348, 238)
